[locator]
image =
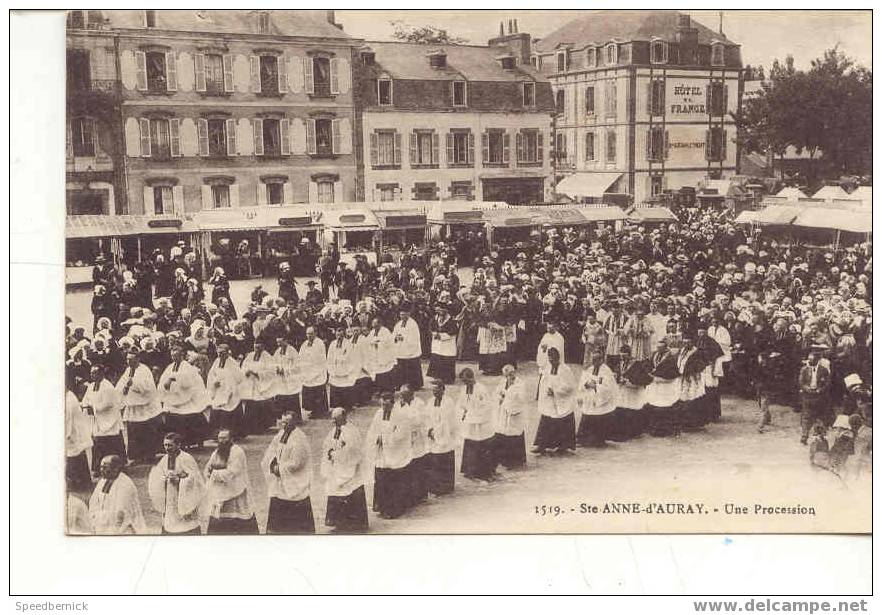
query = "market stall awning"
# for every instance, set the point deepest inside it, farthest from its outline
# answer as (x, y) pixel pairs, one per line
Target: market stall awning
(791, 193)
(746, 217)
(474, 216)
(511, 218)
(652, 214)
(94, 226)
(602, 214)
(400, 219)
(293, 217)
(353, 218)
(586, 184)
(232, 219)
(835, 219)
(559, 216)
(778, 214)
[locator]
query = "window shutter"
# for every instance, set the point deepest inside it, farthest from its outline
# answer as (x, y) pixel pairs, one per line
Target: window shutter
(257, 125)
(232, 147)
(338, 191)
(69, 142)
(335, 76)
(449, 142)
(202, 134)
(661, 97)
(650, 92)
(540, 147)
(708, 99)
(667, 145)
(397, 151)
(228, 73)
(436, 159)
(171, 71)
(506, 146)
(285, 136)
(207, 200)
(199, 68)
(149, 208)
(308, 81)
(649, 143)
(374, 152)
(234, 196)
(261, 193)
(723, 146)
(255, 73)
(519, 146)
(141, 70)
(471, 148)
(725, 102)
(707, 144)
(413, 149)
(485, 147)
(144, 124)
(312, 192)
(178, 199)
(174, 133)
(310, 136)
(288, 192)
(282, 69)
(335, 136)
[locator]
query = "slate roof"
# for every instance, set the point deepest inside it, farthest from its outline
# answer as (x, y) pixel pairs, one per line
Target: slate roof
(282, 22)
(472, 62)
(599, 27)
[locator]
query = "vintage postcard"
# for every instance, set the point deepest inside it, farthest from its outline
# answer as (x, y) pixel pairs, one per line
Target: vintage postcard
(468, 272)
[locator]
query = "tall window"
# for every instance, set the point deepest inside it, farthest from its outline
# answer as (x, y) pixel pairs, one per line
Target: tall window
(591, 57)
(529, 94)
(562, 63)
(716, 144)
(658, 52)
(79, 72)
(534, 62)
(324, 137)
(83, 136)
(160, 143)
(612, 54)
(496, 146)
(384, 91)
(589, 146)
(657, 97)
(272, 137)
(560, 147)
(157, 80)
(718, 54)
(269, 74)
(321, 75)
(325, 188)
(163, 200)
(716, 98)
(611, 98)
(529, 146)
(385, 148)
(263, 22)
(214, 73)
(560, 102)
(423, 147)
(460, 148)
(150, 19)
(655, 146)
(459, 94)
(656, 183)
(589, 100)
(220, 196)
(217, 138)
(611, 147)
(275, 193)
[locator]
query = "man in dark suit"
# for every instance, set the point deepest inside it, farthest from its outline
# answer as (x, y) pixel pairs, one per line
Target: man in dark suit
(814, 390)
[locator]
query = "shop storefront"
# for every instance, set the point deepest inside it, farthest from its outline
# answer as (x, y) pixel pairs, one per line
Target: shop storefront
(233, 238)
(400, 229)
(293, 236)
(507, 227)
(353, 229)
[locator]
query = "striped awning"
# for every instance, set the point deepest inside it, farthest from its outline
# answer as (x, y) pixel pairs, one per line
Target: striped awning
(94, 226)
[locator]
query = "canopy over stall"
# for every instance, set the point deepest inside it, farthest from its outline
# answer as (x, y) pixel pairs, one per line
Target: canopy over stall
(828, 193)
(838, 219)
(651, 215)
(587, 184)
(89, 226)
(791, 193)
(777, 214)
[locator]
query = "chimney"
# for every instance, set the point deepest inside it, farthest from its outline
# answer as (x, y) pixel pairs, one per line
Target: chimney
(687, 36)
(331, 16)
(516, 25)
(501, 29)
(519, 43)
(437, 58)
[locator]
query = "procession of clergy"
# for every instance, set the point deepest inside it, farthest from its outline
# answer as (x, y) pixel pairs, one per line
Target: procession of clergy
(409, 450)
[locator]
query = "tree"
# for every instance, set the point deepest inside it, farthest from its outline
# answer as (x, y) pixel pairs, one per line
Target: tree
(426, 35)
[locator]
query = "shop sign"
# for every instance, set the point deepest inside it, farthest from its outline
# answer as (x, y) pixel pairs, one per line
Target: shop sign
(413, 220)
(164, 223)
(301, 221)
(686, 98)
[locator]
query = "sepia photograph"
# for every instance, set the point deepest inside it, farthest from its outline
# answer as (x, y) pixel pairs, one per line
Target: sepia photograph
(466, 272)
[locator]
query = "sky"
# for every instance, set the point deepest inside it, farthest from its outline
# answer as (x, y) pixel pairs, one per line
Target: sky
(763, 35)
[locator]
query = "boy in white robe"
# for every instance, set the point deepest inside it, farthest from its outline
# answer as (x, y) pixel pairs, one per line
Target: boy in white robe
(114, 507)
(596, 399)
(408, 349)
(183, 397)
(141, 409)
(102, 402)
(551, 339)
(176, 488)
(314, 367)
(476, 411)
(224, 387)
(388, 445)
(381, 361)
(342, 471)
(557, 423)
(258, 388)
(77, 441)
(341, 370)
(442, 432)
(228, 491)
(287, 469)
(510, 447)
(418, 467)
(289, 382)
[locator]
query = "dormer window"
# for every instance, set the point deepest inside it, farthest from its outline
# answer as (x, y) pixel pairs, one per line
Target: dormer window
(612, 54)
(658, 52)
(438, 59)
(529, 94)
(150, 19)
(591, 57)
(563, 61)
(534, 62)
(460, 98)
(508, 62)
(718, 54)
(384, 92)
(263, 22)
(368, 57)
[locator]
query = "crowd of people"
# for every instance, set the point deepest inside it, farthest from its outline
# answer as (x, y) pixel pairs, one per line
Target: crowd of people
(634, 331)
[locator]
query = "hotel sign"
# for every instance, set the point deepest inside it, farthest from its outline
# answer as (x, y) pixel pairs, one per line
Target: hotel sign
(685, 98)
